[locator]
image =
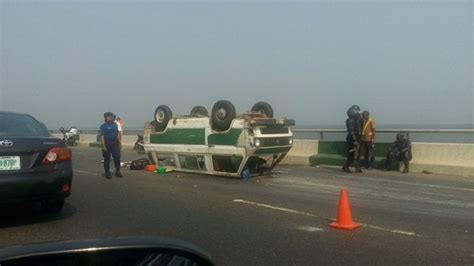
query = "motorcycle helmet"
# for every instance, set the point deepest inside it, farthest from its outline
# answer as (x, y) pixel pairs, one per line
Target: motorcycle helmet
(109, 114)
(353, 111)
(400, 136)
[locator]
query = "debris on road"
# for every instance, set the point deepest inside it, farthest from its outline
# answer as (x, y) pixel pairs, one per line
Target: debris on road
(150, 168)
(139, 164)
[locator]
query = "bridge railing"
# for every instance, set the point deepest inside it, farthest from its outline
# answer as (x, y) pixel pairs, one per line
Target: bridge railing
(406, 131)
(383, 135)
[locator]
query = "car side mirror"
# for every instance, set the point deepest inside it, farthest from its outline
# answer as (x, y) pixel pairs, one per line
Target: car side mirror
(117, 251)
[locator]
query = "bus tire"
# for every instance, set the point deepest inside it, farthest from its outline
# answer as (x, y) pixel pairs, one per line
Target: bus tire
(198, 111)
(223, 112)
(264, 108)
(163, 114)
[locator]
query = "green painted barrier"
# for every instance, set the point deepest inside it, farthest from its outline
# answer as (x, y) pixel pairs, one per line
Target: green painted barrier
(335, 153)
(340, 148)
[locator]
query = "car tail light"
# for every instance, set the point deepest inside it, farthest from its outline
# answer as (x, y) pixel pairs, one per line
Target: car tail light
(66, 188)
(57, 155)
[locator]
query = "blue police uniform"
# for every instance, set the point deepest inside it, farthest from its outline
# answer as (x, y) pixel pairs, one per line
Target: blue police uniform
(110, 133)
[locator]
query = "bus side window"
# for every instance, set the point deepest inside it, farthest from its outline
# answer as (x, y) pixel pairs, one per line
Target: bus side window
(195, 162)
(228, 164)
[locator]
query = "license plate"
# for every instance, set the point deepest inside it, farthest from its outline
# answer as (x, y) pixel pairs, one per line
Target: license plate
(9, 163)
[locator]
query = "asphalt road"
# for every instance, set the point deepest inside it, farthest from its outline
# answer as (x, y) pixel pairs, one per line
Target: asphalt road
(275, 220)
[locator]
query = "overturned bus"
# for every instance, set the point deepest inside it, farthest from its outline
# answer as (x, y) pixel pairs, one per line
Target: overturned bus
(221, 143)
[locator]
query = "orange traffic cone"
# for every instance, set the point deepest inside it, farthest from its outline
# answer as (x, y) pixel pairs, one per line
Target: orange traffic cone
(344, 214)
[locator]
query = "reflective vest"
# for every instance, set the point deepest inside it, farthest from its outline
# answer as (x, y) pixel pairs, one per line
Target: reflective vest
(367, 133)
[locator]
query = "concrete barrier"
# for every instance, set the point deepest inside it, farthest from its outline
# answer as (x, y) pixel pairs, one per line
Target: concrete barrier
(58, 135)
(86, 139)
(301, 151)
(129, 140)
(93, 140)
(441, 158)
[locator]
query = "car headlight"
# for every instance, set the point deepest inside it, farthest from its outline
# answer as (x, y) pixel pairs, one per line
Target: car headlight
(290, 141)
(257, 142)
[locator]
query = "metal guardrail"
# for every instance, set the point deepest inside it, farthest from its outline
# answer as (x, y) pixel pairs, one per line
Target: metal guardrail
(334, 134)
(321, 131)
(407, 131)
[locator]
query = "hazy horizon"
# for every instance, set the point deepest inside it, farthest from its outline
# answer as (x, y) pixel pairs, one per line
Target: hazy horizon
(408, 63)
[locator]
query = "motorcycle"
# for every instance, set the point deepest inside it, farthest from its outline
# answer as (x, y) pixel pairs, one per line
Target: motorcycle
(70, 136)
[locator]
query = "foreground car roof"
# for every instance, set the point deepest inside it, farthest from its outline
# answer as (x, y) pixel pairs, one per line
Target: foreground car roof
(11, 113)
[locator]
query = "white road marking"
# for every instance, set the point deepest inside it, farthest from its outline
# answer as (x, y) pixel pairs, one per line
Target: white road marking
(389, 230)
(395, 231)
(273, 207)
(85, 172)
(310, 228)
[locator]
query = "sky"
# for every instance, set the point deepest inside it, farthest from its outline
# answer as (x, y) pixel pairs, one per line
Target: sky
(68, 62)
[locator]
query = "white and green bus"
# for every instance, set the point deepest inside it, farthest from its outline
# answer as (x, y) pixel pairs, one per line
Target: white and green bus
(222, 143)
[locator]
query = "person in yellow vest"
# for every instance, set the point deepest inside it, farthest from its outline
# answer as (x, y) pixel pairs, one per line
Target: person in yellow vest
(368, 139)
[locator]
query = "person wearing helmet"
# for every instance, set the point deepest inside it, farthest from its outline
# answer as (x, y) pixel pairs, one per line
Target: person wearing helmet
(111, 144)
(354, 128)
(368, 139)
(400, 151)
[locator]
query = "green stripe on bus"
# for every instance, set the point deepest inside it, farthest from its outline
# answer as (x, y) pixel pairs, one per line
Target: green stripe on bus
(228, 138)
(180, 136)
(273, 150)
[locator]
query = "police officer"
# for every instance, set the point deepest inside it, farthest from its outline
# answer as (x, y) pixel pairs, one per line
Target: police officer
(354, 128)
(400, 151)
(111, 144)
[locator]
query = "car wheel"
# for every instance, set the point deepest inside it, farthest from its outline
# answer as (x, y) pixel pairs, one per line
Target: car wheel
(163, 114)
(199, 111)
(264, 108)
(223, 112)
(53, 206)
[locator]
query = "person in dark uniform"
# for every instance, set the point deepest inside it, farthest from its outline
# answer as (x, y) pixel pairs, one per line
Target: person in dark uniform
(400, 151)
(111, 144)
(354, 130)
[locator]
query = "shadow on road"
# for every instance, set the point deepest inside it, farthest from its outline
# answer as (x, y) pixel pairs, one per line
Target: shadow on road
(32, 213)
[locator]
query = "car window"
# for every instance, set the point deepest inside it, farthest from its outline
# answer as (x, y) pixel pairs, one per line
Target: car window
(21, 125)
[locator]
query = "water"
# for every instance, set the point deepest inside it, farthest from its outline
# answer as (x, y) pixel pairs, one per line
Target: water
(390, 137)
